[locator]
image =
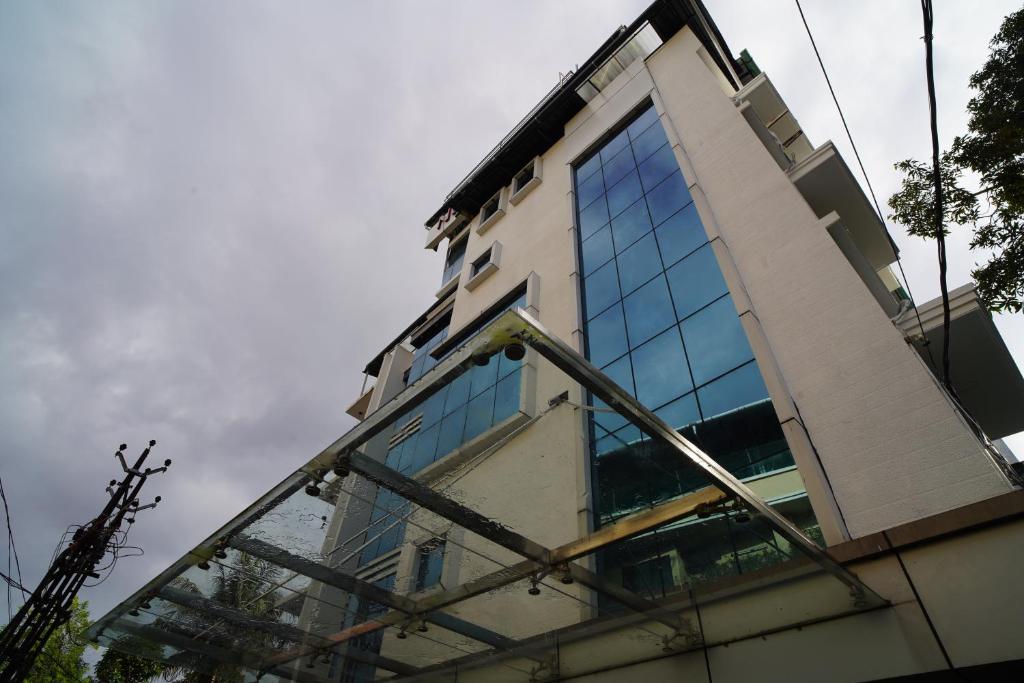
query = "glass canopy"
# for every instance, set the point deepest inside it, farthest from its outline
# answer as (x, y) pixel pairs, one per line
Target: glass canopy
(481, 562)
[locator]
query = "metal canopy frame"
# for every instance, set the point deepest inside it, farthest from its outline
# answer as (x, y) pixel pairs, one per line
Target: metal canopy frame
(344, 456)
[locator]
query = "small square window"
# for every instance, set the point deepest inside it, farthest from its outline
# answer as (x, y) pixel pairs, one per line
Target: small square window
(525, 176)
(429, 563)
(479, 264)
(482, 267)
(490, 209)
(525, 180)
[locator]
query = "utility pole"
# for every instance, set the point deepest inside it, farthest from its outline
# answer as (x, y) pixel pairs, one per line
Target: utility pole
(49, 606)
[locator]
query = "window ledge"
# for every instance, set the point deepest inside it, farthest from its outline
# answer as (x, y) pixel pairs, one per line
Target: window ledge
(481, 275)
(524, 190)
(488, 268)
(486, 225)
(448, 287)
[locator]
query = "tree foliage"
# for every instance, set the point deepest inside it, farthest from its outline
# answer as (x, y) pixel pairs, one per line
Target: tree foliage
(993, 149)
(119, 667)
(60, 660)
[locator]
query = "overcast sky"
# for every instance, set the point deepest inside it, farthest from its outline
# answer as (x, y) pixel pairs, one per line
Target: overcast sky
(196, 199)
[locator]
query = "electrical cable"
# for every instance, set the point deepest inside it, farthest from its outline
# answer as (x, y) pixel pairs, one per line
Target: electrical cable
(12, 548)
(938, 209)
(867, 180)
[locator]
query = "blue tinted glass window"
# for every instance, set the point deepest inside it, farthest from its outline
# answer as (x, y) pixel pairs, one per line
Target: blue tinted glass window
(680, 234)
(483, 377)
(453, 262)
(741, 387)
(695, 281)
(479, 413)
(631, 225)
(659, 369)
(602, 289)
(728, 415)
(715, 341)
(618, 166)
(433, 408)
(639, 263)
(593, 217)
(606, 336)
(623, 439)
(681, 413)
(588, 167)
(649, 143)
(624, 193)
(426, 447)
(614, 146)
(667, 198)
(458, 393)
(620, 372)
(658, 167)
(450, 435)
(597, 250)
(506, 397)
(642, 122)
(590, 189)
(506, 366)
(648, 311)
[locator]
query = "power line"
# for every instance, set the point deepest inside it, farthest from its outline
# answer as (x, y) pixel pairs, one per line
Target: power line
(867, 180)
(12, 549)
(940, 233)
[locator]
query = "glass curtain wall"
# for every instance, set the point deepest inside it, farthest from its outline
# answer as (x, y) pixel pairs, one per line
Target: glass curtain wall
(661, 323)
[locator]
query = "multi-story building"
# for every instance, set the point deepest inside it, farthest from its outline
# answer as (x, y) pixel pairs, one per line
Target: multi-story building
(663, 215)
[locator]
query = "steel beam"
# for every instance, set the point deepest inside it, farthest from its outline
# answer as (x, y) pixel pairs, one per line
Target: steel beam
(365, 590)
(569, 361)
(636, 524)
(429, 499)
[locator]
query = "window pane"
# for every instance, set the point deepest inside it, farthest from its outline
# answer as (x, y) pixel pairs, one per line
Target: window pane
(639, 263)
(601, 289)
(658, 167)
(588, 167)
(642, 123)
(667, 198)
(631, 225)
(618, 166)
(593, 218)
(430, 561)
(624, 193)
(680, 413)
(423, 453)
(620, 372)
(649, 143)
(648, 311)
(681, 234)
(696, 281)
(625, 439)
(614, 146)
(433, 408)
(450, 435)
(482, 377)
(506, 397)
(597, 250)
(479, 413)
(589, 189)
(659, 368)
(506, 366)
(715, 341)
(740, 387)
(458, 393)
(606, 336)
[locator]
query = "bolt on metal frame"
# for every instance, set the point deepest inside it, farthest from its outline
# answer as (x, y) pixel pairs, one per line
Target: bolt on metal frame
(344, 456)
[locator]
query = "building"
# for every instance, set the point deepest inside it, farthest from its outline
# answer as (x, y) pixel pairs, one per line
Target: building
(504, 513)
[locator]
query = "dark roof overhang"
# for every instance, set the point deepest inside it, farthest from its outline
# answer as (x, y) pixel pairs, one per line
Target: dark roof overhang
(545, 124)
